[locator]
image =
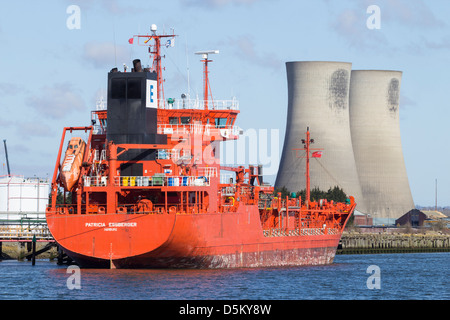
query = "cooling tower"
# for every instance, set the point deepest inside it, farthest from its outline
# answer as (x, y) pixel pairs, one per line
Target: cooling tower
(318, 95)
(375, 130)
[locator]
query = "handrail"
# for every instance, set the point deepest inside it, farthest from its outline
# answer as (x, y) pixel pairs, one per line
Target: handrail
(11, 232)
(171, 103)
(166, 181)
(208, 129)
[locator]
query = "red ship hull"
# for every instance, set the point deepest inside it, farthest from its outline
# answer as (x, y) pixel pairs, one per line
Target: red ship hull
(185, 241)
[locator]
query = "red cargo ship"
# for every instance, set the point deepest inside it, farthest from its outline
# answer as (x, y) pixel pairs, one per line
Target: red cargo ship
(150, 194)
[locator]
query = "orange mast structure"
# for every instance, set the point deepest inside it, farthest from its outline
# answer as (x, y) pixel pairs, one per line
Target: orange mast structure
(205, 74)
(307, 147)
(155, 51)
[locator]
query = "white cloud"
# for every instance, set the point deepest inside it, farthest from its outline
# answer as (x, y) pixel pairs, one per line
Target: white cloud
(410, 14)
(352, 26)
(56, 101)
(211, 4)
(405, 101)
(9, 89)
(444, 43)
(246, 50)
(111, 6)
(105, 54)
(34, 129)
(4, 123)
(115, 8)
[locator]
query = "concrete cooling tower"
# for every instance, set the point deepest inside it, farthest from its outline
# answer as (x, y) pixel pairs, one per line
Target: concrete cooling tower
(318, 94)
(375, 130)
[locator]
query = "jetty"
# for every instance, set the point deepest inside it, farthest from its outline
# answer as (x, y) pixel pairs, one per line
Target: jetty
(392, 241)
(25, 238)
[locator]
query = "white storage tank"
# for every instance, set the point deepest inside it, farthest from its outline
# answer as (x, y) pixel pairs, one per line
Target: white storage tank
(23, 197)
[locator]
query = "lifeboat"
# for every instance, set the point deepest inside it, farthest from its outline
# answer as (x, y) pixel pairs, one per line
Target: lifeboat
(71, 166)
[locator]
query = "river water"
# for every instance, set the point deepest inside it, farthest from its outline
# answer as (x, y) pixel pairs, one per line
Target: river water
(421, 276)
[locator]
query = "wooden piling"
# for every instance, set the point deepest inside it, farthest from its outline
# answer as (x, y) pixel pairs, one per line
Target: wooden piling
(60, 256)
(33, 254)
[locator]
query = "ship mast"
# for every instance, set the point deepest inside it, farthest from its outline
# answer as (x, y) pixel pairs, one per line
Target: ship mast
(308, 178)
(157, 62)
(205, 74)
(155, 52)
(307, 147)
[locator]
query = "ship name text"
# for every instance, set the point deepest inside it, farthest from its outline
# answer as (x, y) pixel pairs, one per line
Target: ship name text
(110, 224)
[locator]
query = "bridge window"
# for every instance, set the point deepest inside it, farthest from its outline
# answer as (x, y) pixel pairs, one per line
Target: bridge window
(185, 120)
(134, 89)
(118, 88)
(221, 122)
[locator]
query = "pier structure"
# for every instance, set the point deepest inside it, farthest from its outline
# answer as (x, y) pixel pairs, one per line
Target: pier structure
(24, 238)
(367, 243)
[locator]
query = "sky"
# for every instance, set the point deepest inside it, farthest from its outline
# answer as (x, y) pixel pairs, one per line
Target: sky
(54, 62)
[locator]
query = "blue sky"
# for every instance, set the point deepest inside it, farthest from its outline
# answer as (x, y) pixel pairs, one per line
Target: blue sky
(51, 76)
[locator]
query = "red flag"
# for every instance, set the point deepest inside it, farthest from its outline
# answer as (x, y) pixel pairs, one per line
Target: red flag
(130, 41)
(317, 154)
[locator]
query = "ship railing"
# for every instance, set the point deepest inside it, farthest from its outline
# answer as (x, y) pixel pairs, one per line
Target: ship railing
(282, 232)
(246, 190)
(333, 231)
(171, 208)
(277, 232)
(14, 232)
(312, 231)
(98, 129)
(264, 203)
(157, 208)
(225, 131)
(99, 155)
(208, 171)
(174, 154)
(198, 104)
(62, 209)
(228, 191)
(155, 181)
(226, 178)
(96, 181)
(160, 181)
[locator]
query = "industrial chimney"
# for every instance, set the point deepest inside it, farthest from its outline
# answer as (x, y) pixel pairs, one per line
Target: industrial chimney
(318, 94)
(375, 131)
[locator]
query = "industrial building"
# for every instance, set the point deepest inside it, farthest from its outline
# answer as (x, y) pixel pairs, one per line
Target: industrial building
(354, 117)
(414, 218)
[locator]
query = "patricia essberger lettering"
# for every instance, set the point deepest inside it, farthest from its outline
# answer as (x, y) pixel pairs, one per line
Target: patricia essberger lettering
(123, 224)
(95, 224)
(111, 224)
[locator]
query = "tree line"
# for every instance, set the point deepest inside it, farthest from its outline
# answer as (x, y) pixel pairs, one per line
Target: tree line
(335, 194)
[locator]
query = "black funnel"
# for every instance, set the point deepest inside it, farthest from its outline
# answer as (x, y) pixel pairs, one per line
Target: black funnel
(137, 65)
